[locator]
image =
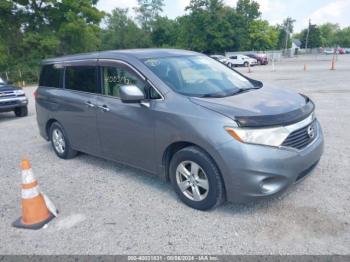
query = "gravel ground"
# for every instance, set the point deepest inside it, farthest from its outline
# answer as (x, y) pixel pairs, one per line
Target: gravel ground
(107, 208)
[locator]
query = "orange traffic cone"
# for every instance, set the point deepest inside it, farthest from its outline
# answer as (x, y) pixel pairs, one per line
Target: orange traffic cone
(333, 64)
(37, 209)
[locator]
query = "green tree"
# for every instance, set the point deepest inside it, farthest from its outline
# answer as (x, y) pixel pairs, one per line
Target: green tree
(262, 36)
(284, 32)
(343, 37)
(314, 39)
(246, 12)
(205, 28)
(36, 29)
(147, 12)
(164, 32)
(122, 32)
(329, 34)
(11, 35)
(248, 9)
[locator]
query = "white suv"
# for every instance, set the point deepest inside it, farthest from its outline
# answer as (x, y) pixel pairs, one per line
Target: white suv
(241, 60)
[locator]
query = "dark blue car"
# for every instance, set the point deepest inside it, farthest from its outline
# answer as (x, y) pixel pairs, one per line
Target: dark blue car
(12, 99)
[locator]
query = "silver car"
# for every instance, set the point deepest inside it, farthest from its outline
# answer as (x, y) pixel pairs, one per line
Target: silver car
(214, 133)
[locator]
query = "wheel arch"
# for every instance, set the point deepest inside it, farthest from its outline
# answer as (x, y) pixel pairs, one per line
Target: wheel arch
(48, 126)
(175, 147)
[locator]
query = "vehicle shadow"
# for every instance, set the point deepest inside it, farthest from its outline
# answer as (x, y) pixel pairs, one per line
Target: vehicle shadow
(119, 169)
(8, 116)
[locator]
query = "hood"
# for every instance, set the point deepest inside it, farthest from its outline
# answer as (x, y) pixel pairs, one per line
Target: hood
(7, 87)
(267, 106)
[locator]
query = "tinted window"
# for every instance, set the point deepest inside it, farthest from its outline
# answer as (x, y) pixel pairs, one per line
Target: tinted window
(50, 76)
(116, 76)
(81, 78)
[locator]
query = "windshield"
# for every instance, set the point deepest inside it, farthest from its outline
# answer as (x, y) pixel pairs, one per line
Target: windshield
(199, 76)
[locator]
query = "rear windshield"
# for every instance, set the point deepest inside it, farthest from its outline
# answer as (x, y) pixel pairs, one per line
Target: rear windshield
(199, 76)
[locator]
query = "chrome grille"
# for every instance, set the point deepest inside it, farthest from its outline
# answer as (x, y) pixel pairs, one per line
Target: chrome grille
(7, 94)
(301, 138)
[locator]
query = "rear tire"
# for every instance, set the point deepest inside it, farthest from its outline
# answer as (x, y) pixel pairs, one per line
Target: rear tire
(196, 179)
(21, 111)
(60, 142)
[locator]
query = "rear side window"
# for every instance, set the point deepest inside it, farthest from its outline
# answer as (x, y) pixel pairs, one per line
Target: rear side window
(81, 78)
(50, 76)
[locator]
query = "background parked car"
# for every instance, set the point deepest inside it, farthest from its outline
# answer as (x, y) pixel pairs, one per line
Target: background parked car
(241, 60)
(340, 51)
(330, 51)
(220, 58)
(12, 99)
(261, 58)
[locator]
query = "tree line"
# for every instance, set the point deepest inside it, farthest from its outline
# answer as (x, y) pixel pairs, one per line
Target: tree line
(32, 30)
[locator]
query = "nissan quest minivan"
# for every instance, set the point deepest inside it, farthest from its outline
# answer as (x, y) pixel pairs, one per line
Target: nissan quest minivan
(214, 133)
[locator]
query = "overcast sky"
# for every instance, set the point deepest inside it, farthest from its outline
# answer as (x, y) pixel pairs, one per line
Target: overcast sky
(319, 11)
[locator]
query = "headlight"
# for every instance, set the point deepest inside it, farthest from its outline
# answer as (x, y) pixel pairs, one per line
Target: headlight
(263, 136)
(273, 136)
(19, 93)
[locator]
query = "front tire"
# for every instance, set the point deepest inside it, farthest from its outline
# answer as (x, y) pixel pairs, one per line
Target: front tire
(246, 64)
(196, 179)
(21, 111)
(60, 142)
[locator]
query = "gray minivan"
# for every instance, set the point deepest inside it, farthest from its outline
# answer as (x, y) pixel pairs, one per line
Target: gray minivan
(214, 133)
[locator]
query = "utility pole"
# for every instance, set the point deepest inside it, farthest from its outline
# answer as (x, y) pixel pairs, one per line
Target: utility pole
(287, 35)
(307, 35)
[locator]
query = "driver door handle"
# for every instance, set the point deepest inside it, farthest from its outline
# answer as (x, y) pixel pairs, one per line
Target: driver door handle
(104, 108)
(89, 104)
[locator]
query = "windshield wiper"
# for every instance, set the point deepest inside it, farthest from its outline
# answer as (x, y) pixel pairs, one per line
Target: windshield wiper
(215, 95)
(218, 95)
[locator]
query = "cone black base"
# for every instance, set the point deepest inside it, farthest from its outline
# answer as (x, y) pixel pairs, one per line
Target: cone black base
(19, 224)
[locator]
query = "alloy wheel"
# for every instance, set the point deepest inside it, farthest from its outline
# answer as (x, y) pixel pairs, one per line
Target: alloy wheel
(58, 141)
(192, 180)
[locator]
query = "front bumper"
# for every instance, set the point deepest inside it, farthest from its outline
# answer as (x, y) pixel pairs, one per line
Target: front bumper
(8, 104)
(253, 172)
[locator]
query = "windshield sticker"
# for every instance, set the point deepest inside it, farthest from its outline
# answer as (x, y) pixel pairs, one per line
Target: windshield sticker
(152, 62)
(58, 66)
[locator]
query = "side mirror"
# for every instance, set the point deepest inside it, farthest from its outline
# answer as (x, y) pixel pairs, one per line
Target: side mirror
(131, 94)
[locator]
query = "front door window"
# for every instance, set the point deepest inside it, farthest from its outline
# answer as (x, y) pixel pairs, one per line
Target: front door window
(117, 76)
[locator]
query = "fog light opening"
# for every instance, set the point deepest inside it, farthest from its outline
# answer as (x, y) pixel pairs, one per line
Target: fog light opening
(271, 185)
